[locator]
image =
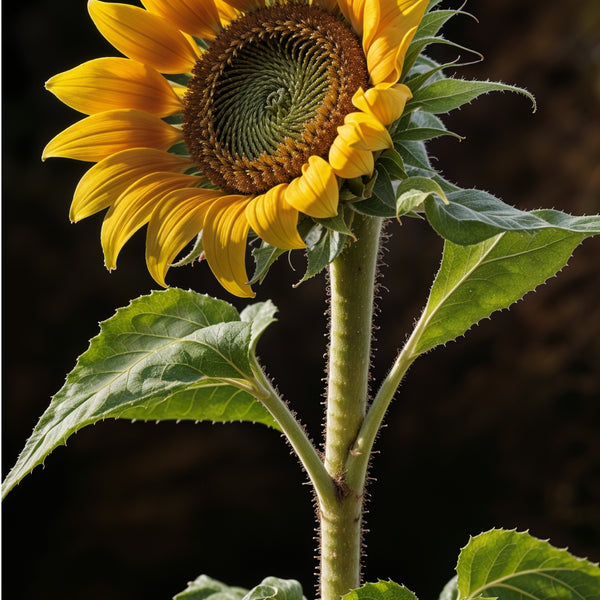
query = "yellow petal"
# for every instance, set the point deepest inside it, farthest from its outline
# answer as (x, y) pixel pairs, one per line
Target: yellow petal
(353, 10)
(348, 162)
(315, 192)
(385, 57)
(224, 238)
(196, 17)
(389, 26)
(111, 83)
(274, 220)
(143, 36)
(365, 132)
(106, 133)
(385, 102)
(246, 6)
(105, 181)
(173, 224)
(133, 208)
(227, 12)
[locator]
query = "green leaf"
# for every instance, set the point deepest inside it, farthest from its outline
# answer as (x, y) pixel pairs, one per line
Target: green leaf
(260, 316)
(423, 126)
(205, 587)
(432, 22)
(450, 591)
(172, 355)
(474, 281)
(509, 565)
(382, 590)
(264, 257)
(276, 589)
(415, 157)
(413, 192)
(393, 163)
(447, 94)
(418, 45)
(337, 223)
(194, 254)
(383, 188)
(323, 247)
(473, 216)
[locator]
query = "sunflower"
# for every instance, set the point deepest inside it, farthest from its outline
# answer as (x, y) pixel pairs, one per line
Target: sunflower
(230, 116)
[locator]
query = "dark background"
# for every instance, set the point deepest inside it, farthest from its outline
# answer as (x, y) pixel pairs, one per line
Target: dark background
(497, 429)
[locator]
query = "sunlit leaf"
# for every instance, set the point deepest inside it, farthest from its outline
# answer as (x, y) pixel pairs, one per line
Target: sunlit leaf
(382, 590)
(476, 280)
(172, 355)
(509, 565)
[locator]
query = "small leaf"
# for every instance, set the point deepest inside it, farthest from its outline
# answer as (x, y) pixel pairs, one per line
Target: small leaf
(337, 223)
(374, 207)
(393, 163)
(423, 126)
(383, 188)
(323, 250)
(426, 69)
(273, 588)
(450, 591)
(447, 94)
(418, 45)
(382, 590)
(474, 281)
(413, 192)
(260, 316)
(205, 588)
(173, 355)
(264, 258)
(432, 22)
(509, 565)
(415, 157)
(194, 254)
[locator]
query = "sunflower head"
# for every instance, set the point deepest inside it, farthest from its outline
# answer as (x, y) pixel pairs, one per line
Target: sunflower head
(232, 119)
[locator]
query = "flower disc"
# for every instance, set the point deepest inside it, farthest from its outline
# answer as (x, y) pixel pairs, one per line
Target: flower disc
(269, 93)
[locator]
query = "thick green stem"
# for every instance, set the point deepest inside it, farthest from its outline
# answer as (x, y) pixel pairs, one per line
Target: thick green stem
(352, 280)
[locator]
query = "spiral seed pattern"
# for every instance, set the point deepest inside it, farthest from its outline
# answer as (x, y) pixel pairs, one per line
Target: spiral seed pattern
(270, 92)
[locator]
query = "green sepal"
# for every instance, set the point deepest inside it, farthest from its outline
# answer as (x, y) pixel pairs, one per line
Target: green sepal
(415, 157)
(338, 223)
(414, 191)
(172, 355)
(511, 565)
(426, 69)
(423, 126)
(323, 246)
(206, 588)
(382, 590)
(194, 254)
(445, 95)
(393, 163)
(382, 203)
(433, 21)
(264, 257)
(418, 45)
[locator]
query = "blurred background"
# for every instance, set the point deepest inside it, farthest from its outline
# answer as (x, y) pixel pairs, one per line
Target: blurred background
(500, 428)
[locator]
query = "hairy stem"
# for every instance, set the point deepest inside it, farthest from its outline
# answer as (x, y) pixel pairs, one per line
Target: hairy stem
(263, 391)
(352, 279)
